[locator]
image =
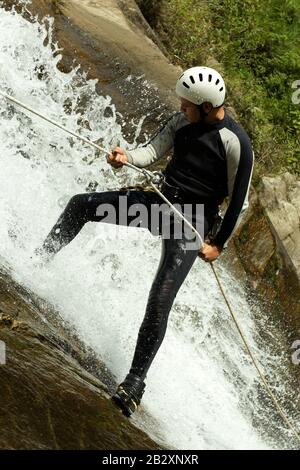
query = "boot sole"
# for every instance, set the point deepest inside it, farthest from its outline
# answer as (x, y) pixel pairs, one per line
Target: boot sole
(126, 410)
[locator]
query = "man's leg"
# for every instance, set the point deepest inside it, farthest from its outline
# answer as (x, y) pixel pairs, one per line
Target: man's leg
(176, 261)
(84, 208)
(174, 266)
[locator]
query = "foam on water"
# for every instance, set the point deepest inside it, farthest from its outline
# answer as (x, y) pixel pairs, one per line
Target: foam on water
(201, 387)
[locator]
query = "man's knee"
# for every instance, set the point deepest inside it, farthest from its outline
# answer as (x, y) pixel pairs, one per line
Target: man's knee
(78, 203)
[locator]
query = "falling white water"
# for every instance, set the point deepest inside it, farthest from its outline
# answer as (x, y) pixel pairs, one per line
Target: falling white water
(201, 389)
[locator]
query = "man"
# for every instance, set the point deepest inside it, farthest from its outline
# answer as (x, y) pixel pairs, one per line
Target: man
(212, 159)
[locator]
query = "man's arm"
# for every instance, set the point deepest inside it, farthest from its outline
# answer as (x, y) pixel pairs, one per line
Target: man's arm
(240, 161)
(159, 145)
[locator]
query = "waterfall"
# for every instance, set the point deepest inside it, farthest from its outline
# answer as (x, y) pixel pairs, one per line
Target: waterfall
(202, 390)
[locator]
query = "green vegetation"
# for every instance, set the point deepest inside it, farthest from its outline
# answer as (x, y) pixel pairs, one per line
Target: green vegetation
(257, 46)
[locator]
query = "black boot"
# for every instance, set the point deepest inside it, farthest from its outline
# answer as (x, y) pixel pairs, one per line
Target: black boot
(129, 394)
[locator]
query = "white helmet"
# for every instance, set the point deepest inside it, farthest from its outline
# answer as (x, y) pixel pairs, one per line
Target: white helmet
(200, 84)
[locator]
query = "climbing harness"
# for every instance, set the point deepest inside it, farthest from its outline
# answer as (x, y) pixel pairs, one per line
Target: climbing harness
(155, 180)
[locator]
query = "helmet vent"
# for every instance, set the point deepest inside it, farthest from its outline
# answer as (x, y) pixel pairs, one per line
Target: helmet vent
(192, 79)
(185, 84)
(217, 82)
(209, 77)
(221, 89)
(201, 77)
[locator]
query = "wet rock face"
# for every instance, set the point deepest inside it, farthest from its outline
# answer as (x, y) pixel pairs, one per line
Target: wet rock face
(280, 196)
(47, 400)
(268, 244)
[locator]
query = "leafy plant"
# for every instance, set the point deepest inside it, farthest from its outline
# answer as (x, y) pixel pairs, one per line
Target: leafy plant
(257, 46)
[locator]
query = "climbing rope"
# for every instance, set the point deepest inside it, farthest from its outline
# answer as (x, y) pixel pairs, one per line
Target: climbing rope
(154, 178)
(255, 363)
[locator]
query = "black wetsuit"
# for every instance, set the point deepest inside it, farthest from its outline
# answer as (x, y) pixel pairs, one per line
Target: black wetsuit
(176, 261)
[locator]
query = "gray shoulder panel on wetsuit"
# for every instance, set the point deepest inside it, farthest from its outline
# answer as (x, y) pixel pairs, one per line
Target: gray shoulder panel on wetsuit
(233, 154)
(240, 159)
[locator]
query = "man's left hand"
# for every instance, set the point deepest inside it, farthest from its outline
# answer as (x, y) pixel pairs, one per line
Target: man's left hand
(209, 252)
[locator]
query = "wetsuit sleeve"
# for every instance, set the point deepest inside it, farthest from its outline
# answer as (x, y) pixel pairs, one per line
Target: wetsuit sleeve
(158, 146)
(240, 160)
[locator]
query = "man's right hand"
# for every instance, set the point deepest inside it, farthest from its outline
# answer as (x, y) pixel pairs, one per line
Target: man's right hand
(117, 157)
